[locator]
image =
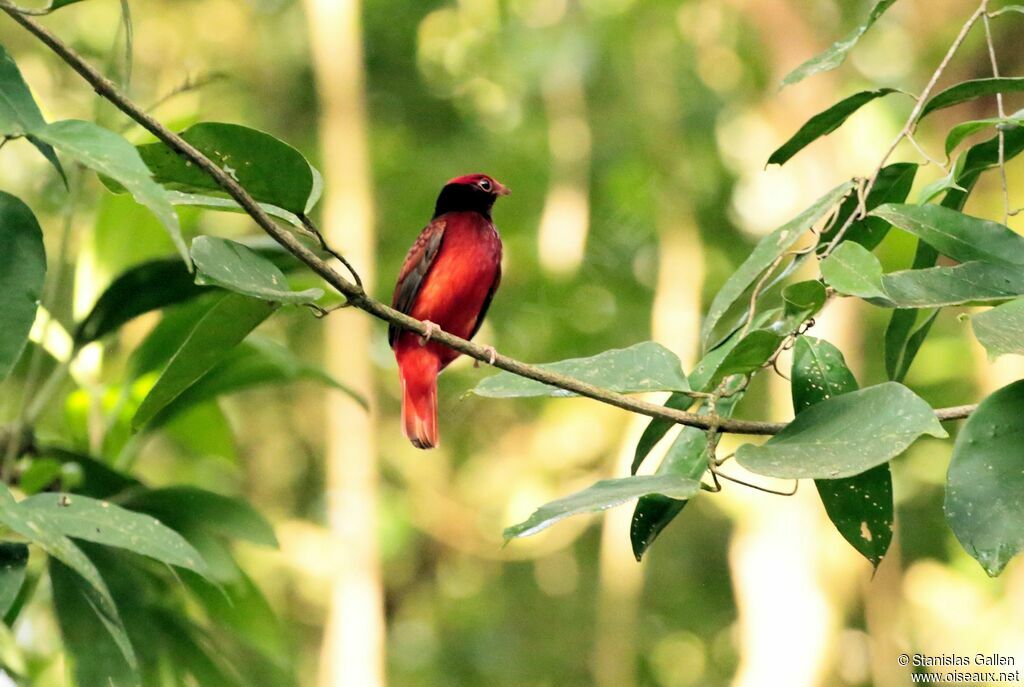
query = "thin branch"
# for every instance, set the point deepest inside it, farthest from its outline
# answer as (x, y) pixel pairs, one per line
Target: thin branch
(1002, 115)
(909, 126)
(355, 294)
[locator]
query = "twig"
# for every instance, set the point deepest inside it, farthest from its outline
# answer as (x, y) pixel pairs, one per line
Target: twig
(316, 233)
(355, 294)
(1002, 115)
(908, 127)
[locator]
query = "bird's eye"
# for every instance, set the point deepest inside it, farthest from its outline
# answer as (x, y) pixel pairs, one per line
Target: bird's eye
(484, 184)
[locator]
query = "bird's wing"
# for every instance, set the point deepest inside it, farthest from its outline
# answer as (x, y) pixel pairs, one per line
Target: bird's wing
(487, 302)
(414, 270)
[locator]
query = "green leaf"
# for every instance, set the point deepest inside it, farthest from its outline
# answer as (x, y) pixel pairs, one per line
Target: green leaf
(242, 608)
(961, 131)
(23, 521)
(803, 299)
(97, 658)
(861, 507)
(687, 458)
(977, 159)
(646, 366)
(999, 329)
(22, 271)
(764, 255)
(256, 362)
(81, 517)
(40, 474)
(750, 353)
(1019, 9)
(836, 53)
(824, 123)
(985, 483)
(19, 114)
(109, 154)
(956, 235)
(140, 289)
(230, 205)
(229, 264)
(222, 328)
(656, 430)
(601, 496)
(969, 90)
(845, 435)
(910, 347)
(970, 282)
(853, 270)
(270, 170)
(13, 561)
(222, 515)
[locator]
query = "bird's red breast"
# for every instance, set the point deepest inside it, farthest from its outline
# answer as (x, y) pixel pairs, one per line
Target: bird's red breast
(449, 278)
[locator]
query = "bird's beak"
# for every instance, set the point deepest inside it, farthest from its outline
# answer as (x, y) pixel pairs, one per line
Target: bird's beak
(502, 190)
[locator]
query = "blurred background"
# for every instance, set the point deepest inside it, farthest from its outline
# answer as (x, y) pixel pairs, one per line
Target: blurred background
(634, 134)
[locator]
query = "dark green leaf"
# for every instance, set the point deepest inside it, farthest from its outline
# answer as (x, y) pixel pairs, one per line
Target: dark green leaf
(845, 435)
(892, 185)
(19, 114)
(99, 481)
(255, 362)
(96, 658)
(228, 517)
(969, 90)
(999, 329)
(657, 428)
(825, 123)
(23, 522)
(646, 366)
(109, 154)
(913, 345)
(861, 506)
(803, 299)
(222, 328)
(22, 271)
(601, 496)
(141, 289)
(229, 264)
(750, 353)
(687, 458)
(13, 561)
(764, 255)
(957, 235)
(836, 53)
(269, 169)
(985, 483)
(81, 517)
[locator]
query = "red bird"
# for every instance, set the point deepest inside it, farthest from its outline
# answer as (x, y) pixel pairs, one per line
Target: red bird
(448, 280)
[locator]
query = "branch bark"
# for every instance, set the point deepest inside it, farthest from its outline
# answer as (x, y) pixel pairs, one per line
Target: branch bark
(354, 294)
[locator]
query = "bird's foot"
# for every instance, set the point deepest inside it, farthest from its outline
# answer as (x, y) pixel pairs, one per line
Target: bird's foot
(491, 356)
(431, 330)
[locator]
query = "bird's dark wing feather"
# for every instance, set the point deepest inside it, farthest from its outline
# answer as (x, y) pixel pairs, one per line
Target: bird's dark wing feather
(414, 270)
(487, 302)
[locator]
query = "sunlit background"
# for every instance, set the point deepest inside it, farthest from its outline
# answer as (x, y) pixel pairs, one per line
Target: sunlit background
(634, 134)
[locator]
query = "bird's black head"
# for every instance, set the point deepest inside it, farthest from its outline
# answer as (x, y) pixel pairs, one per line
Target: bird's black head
(470, 192)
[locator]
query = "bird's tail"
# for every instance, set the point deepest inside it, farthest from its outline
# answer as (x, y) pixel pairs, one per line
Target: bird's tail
(419, 409)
